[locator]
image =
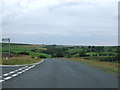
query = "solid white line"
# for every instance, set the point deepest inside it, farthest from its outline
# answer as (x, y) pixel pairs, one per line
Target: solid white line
(7, 78)
(22, 65)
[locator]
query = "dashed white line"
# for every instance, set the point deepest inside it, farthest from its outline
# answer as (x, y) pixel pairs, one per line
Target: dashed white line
(1, 81)
(14, 71)
(19, 72)
(11, 72)
(14, 75)
(7, 78)
(6, 74)
(30, 67)
(26, 69)
(21, 69)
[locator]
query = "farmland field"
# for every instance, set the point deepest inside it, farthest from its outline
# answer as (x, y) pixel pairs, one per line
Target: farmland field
(106, 57)
(18, 48)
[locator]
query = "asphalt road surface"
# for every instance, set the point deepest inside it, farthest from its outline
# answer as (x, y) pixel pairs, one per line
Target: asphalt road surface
(58, 73)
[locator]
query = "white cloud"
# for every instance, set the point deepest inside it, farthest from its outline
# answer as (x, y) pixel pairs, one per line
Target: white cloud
(91, 0)
(64, 21)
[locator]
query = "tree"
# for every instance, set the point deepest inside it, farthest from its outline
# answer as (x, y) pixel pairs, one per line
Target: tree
(82, 54)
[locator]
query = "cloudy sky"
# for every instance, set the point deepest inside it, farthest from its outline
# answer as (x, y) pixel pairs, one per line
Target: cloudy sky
(69, 22)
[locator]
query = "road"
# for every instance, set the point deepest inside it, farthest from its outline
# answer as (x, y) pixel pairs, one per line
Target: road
(58, 73)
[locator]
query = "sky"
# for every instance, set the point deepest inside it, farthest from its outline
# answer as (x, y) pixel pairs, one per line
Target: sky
(63, 22)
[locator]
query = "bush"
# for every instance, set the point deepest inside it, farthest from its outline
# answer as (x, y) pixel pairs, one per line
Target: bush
(68, 56)
(86, 58)
(42, 56)
(23, 53)
(32, 57)
(109, 59)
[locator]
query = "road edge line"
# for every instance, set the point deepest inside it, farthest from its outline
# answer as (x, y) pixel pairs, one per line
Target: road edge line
(22, 65)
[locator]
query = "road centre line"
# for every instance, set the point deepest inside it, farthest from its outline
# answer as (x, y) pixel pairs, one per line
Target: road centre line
(14, 75)
(17, 73)
(1, 81)
(11, 72)
(21, 71)
(6, 74)
(14, 71)
(7, 78)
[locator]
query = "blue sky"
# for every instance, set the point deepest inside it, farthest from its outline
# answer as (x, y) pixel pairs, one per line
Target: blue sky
(69, 22)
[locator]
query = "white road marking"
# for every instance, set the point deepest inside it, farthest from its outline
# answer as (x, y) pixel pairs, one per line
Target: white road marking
(33, 66)
(30, 67)
(1, 81)
(6, 74)
(7, 78)
(14, 71)
(26, 69)
(20, 69)
(14, 75)
(19, 72)
(23, 71)
(26, 66)
(11, 72)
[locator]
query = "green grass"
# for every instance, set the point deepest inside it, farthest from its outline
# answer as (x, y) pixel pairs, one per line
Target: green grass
(21, 60)
(91, 53)
(106, 66)
(97, 58)
(106, 50)
(17, 48)
(38, 54)
(74, 50)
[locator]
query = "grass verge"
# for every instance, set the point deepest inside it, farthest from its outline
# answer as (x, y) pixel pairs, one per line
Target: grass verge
(110, 67)
(20, 60)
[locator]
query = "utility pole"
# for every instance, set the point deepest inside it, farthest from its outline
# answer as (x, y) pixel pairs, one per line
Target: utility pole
(9, 50)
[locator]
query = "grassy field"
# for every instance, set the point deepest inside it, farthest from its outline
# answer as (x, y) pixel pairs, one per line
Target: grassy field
(100, 56)
(106, 66)
(17, 48)
(107, 50)
(21, 60)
